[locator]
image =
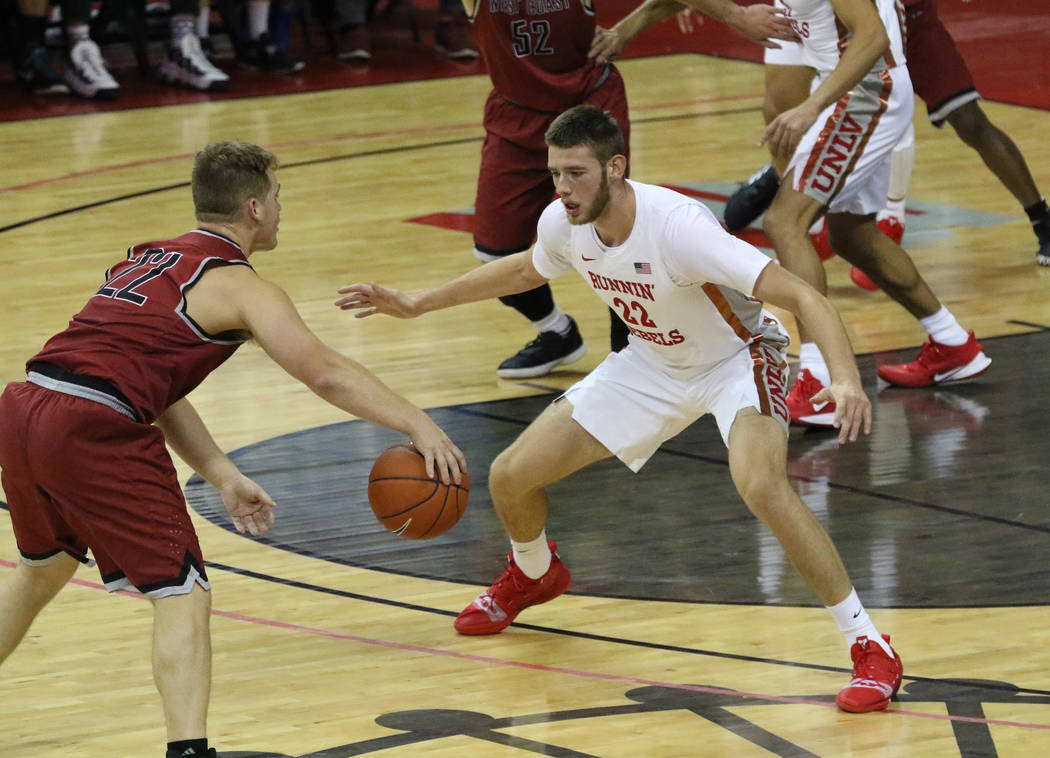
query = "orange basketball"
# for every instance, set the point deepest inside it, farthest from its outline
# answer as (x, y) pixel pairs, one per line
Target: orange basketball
(408, 502)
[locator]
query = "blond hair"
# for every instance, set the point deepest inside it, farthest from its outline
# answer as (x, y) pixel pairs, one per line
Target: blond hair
(227, 173)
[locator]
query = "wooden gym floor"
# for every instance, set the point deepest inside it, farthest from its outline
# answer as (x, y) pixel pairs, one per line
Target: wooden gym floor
(685, 633)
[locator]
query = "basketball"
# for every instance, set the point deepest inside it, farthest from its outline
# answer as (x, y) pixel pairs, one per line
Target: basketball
(408, 502)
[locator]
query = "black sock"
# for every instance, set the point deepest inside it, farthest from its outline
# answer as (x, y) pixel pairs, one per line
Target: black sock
(188, 748)
(1039, 215)
(535, 305)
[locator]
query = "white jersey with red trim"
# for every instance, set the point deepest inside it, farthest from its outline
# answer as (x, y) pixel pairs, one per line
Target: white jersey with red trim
(680, 282)
(824, 36)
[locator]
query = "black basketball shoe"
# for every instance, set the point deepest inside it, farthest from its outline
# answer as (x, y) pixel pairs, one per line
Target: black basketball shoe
(751, 200)
(548, 350)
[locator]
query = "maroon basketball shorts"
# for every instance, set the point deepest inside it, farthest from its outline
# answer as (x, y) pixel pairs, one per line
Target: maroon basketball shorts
(79, 475)
(938, 73)
(514, 184)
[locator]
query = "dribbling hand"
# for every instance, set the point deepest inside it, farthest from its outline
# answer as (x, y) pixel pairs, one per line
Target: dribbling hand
(248, 504)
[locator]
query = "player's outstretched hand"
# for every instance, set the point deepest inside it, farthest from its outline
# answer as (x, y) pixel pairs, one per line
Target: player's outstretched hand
(250, 507)
(606, 45)
(441, 454)
(852, 409)
(370, 299)
(762, 24)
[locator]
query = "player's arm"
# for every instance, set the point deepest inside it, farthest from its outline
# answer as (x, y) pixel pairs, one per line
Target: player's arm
(234, 297)
(609, 43)
(781, 288)
(868, 42)
(759, 23)
(506, 276)
(248, 504)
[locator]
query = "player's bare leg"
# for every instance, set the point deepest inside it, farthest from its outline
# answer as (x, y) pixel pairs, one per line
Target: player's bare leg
(787, 224)
(182, 661)
(997, 151)
(551, 447)
(758, 465)
(786, 87)
(25, 592)
(858, 240)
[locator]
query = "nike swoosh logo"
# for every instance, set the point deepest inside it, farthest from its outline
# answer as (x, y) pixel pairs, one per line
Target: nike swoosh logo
(857, 613)
(588, 259)
(818, 407)
(936, 377)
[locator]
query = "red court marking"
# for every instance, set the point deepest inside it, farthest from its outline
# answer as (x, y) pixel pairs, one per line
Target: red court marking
(488, 660)
(320, 141)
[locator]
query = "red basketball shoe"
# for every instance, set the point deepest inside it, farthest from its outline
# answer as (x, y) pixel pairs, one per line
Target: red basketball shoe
(876, 677)
(800, 404)
(822, 244)
(939, 364)
(892, 228)
(512, 592)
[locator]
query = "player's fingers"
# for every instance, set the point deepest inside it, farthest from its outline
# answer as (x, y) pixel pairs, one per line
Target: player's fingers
(365, 314)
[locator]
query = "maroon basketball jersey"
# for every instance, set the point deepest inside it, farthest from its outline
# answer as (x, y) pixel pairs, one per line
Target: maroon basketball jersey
(536, 50)
(135, 332)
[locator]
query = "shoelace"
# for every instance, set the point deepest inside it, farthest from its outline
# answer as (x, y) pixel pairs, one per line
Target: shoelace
(508, 575)
(872, 662)
(930, 353)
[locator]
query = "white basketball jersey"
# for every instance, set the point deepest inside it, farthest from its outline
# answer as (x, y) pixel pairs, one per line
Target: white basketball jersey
(824, 36)
(678, 281)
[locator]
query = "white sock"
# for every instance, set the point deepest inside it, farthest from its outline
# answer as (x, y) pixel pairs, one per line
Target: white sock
(809, 357)
(894, 208)
(181, 25)
(943, 328)
(533, 557)
(204, 22)
(258, 18)
(77, 33)
(555, 321)
(854, 623)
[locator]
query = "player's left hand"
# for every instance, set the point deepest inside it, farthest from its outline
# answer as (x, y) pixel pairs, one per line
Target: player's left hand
(785, 131)
(762, 24)
(606, 45)
(852, 409)
(248, 504)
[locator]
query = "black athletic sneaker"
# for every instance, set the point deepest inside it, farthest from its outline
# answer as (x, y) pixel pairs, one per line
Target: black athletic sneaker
(751, 200)
(263, 55)
(210, 754)
(38, 76)
(548, 350)
(1043, 256)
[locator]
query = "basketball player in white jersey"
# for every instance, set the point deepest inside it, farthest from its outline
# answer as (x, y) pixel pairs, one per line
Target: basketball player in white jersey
(700, 343)
(841, 139)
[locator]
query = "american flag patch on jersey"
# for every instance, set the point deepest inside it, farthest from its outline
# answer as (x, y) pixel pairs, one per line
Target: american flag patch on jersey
(643, 268)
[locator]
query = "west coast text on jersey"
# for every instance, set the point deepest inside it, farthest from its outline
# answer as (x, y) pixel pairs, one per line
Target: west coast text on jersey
(532, 7)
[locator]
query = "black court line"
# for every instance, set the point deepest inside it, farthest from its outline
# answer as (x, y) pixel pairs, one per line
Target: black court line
(332, 159)
(626, 641)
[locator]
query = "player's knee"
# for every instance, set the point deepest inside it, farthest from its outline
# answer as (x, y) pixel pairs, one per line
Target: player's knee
(971, 124)
(761, 491)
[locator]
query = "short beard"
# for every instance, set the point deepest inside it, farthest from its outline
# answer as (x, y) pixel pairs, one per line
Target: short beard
(597, 207)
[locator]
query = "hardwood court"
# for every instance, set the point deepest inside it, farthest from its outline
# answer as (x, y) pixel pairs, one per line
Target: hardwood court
(685, 634)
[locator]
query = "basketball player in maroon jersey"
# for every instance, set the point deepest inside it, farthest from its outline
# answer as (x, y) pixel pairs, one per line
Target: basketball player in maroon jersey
(537, 57)
(82, 440)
